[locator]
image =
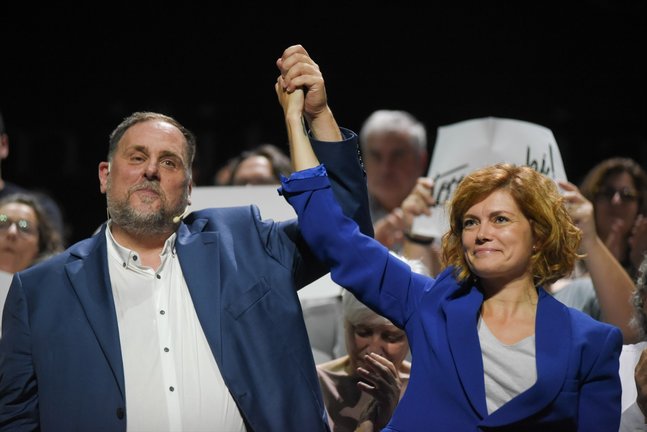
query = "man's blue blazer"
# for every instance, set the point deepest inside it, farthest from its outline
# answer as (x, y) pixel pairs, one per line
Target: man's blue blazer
(60, 359)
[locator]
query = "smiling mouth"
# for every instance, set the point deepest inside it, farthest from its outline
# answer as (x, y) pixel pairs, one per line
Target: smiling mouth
(483, 251)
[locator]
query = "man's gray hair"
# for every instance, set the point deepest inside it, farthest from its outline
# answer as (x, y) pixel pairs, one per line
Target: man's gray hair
(385, 121)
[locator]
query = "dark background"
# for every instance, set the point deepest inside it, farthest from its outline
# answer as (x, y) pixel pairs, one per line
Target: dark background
(68, 75)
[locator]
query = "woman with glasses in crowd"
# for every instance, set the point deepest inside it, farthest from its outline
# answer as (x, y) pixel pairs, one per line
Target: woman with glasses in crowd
(617, 187)
(27, 236)
(610, 208)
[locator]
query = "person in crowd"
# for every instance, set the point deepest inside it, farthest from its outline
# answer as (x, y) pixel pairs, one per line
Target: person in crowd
(361, 389)
(166, 321)
(261, 165)
(617, 187)
(492, 350)
(27, 236)
(49, 204)
(633, 362)
(394, 150)
(223, 172)
(604, 292)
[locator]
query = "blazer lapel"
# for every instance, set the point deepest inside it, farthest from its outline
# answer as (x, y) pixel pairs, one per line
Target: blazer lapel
(462, 315)
(553, 339)
(199, 256)
(90, 280)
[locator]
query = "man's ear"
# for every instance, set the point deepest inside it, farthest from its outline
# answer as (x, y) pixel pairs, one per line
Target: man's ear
(104, 172)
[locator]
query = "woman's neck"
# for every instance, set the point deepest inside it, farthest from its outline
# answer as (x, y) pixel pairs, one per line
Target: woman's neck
(509, 299)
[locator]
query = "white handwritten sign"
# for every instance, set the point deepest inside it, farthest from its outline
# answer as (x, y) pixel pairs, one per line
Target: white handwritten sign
(270, 203)
(471, 144)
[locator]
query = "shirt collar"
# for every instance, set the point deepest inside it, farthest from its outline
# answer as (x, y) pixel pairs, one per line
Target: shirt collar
(130, 257)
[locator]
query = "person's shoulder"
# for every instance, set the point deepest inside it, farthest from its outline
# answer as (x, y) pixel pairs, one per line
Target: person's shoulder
(580, 321)
(217, 213)
(588, 328)
(49, 270)
(577, 287)
(336, 366)
(216, 218)
(80, 249)
(635, 347)
(446, 282)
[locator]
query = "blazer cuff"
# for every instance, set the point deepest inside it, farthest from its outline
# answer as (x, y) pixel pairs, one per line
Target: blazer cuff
(305, 180)
(346, 135)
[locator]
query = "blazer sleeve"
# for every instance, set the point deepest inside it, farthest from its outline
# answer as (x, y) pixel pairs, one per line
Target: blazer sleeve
(18, 387)
(348, 180)
(347, 176)
(357, 262)
(601, 385)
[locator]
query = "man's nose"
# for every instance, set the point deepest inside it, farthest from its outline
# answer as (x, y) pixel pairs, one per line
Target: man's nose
(152, 170)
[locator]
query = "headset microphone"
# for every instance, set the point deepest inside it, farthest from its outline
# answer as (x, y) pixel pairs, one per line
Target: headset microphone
(177, 219)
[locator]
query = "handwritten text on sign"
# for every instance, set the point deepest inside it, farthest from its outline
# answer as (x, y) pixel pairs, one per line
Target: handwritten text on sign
(466, 146)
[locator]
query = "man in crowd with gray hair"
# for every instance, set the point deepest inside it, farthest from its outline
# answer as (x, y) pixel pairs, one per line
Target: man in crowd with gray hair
(394, 149)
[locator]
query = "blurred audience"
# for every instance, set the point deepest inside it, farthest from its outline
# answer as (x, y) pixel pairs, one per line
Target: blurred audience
(601, 288)
(362, 389)
(617, 187)
(633, 362)
(609, 208)
(394, 150)
(27, 236)
(261, 165)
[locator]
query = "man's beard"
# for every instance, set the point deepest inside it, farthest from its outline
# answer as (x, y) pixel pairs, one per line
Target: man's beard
(138, 223)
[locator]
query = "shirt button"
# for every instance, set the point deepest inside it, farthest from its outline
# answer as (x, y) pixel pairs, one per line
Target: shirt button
(120, 413)
(134, 257)
(171, 388)
(159, 277)
(162, 312)
(166, 349)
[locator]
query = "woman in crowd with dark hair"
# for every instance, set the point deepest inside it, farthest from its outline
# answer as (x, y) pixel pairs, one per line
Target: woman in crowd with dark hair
(27, 236)
(617, 187)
